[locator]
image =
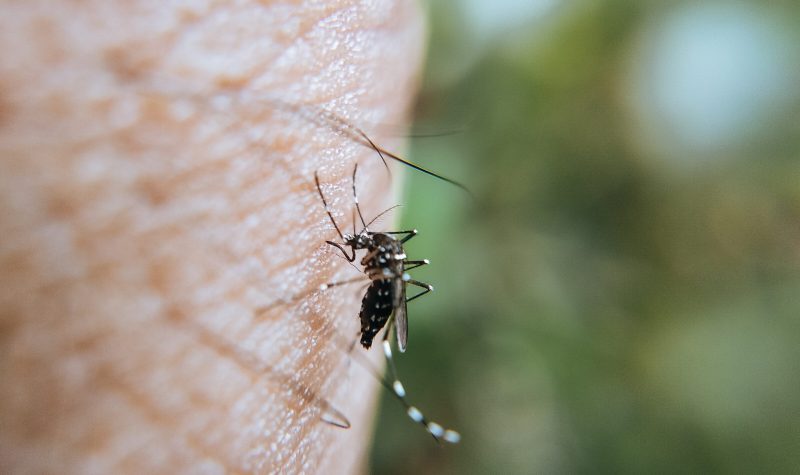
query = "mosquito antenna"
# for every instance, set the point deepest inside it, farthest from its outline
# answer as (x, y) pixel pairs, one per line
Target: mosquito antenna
(327, 209)
(381, 214)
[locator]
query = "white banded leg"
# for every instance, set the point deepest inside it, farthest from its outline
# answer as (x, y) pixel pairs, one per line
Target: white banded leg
(333, 417)
(427, 288)
(408, 265)
(436, 430)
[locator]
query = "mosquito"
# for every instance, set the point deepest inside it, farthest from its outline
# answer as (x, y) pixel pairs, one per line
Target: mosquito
(385, 303)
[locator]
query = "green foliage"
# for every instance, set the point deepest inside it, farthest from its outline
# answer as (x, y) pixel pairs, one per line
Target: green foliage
(599, 307)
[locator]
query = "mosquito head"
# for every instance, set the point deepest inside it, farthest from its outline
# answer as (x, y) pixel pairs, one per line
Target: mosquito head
(361, 240)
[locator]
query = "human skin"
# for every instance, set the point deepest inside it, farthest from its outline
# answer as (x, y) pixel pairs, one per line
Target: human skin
(155, 198)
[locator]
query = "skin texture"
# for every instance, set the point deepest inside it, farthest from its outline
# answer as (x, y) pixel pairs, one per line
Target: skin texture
(154, 194)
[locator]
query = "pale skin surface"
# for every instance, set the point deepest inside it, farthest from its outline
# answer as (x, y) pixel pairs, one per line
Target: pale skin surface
(143, 222)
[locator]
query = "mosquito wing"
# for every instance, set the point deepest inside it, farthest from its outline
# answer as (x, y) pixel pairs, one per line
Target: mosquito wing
(400, 314)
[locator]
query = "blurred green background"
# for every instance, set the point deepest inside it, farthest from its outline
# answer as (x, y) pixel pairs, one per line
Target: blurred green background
(623, 293)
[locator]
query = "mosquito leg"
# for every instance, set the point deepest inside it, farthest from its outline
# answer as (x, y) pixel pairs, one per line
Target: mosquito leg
(415, 264)
(344, 251)
(369, 255)
(329, 285)
(355, 199)
(392, 384)
(390, 326)
(410, 231)
(438, 432)
(325, 204)
(333, 221)
(409, 234)
(261, 310)
(427, 288)
(331, 415)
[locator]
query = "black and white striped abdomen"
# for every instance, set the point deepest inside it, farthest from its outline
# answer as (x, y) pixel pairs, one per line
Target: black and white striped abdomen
(376, 307)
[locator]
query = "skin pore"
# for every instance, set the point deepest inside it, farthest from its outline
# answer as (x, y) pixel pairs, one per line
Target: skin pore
(156, 191)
